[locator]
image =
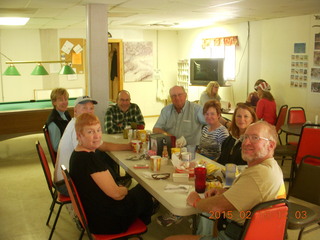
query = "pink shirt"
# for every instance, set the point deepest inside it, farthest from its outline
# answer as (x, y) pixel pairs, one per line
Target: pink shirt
(267, 110)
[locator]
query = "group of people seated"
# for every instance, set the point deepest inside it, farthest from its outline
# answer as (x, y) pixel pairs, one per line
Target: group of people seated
(111, 207)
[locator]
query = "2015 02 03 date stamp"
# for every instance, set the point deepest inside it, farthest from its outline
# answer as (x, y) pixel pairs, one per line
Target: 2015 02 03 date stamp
(248, 215)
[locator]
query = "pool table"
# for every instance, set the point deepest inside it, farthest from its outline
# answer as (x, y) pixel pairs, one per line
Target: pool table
(21, 118)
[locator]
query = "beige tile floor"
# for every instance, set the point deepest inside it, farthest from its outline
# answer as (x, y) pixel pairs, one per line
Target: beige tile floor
(25, 199)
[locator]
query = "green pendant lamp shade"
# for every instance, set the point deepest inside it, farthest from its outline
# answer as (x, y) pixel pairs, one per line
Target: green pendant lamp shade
(39, 70)
(11, 71)
(66, 69)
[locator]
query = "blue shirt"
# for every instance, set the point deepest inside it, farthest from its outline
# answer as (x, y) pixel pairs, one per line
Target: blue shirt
(187, 123)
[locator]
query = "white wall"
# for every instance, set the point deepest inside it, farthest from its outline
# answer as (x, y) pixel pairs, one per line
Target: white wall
(191, 46)
(33, 45)
(20, 45)
(165, 46)
(265, 54)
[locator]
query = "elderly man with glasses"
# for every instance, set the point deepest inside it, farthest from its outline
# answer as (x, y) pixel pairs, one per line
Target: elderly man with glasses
(182, 119)
(262, 181)
(122, 114)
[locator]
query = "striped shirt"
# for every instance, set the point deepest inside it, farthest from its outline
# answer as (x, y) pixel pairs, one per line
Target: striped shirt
(210, 142)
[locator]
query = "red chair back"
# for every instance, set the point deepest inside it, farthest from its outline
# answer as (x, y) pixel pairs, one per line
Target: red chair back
(53, 154)
(308, 142)
(75, 200)
(268, 220)
(296, 115)
(45, 167)
(281, 117)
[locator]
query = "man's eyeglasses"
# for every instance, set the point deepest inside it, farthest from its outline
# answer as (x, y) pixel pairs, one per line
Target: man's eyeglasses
(177, 95)
(124, 100)
(253, 138)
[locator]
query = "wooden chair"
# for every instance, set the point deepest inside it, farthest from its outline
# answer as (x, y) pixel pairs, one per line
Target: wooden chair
(267, 220)
(295, 115)
(306, 187)
(53, 154)
(57, 198)
(135, 230)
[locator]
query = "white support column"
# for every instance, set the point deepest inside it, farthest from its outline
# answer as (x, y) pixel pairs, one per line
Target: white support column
(97, 57)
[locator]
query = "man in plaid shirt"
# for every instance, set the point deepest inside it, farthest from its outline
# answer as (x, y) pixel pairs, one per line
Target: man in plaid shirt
(122, 114)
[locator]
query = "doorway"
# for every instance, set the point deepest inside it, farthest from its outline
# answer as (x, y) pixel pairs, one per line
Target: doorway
(115, 53)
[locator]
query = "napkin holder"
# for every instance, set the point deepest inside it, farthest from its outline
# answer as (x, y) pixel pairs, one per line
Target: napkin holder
(158, 140)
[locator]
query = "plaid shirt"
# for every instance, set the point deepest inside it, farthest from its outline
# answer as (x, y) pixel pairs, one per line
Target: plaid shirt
(116, 120)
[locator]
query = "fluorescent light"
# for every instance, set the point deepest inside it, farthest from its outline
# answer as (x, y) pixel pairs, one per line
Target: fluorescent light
(13, 21)
(224, 4)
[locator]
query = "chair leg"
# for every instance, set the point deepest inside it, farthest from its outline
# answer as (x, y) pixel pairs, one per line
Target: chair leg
(55, 221)
(51, 211)
(300, 234)
(81, 234)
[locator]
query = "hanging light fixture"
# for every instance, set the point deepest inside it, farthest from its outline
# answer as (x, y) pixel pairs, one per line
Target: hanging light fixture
(39, 70)
(11, 71)
(66, 70)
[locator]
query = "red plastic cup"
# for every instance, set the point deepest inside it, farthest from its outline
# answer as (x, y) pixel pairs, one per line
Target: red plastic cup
(200, 173)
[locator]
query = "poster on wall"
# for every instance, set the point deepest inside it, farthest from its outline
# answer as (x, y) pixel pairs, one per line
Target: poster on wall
(299, 67)
(315, 70)
(138, 61)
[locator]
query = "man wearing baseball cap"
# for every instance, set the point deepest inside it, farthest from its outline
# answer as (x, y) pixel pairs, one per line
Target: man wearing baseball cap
(69, 141)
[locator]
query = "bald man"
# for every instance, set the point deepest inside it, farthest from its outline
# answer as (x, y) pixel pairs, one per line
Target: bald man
(122, 114)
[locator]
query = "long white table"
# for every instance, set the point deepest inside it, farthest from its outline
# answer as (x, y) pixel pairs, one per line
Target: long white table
(173, 201)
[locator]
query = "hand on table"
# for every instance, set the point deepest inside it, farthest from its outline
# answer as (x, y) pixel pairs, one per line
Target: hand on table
(193, 196)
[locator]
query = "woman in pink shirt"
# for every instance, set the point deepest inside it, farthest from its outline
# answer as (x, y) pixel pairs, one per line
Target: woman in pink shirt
(266, 107)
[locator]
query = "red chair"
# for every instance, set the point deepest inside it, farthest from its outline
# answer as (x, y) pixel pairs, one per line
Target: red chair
(135, 230)
(268, 220)
(281, 119)
(57, 198)
(308, 145)
(295, 115)
(53, 154)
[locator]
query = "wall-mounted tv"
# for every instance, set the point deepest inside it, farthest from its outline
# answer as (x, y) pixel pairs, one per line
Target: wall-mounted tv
(204, 70)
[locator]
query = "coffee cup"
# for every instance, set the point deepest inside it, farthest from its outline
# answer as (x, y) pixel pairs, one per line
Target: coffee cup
(136, 145)
(155, 163)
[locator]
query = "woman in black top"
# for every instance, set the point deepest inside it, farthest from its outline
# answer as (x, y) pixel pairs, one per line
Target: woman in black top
(110, 208)
(231, 147)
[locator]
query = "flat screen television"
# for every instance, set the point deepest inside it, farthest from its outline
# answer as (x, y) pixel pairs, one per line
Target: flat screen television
(205, 70)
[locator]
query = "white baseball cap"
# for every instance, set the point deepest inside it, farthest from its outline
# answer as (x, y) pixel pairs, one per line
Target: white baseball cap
(84, 99)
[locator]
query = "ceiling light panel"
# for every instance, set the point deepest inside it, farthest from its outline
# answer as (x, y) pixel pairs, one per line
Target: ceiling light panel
(13, 21)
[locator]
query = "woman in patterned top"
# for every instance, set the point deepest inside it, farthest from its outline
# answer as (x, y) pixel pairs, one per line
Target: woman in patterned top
(214, 133)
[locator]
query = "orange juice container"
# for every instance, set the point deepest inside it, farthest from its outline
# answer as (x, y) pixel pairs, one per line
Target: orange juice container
(142, 135)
